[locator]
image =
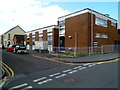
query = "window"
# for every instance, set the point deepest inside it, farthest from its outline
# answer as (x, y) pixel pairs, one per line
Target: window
(113, 24)
(101, 22)
(49, 39)
(33, 43)
(95, 44)
(8, 36)
(33, 38)
(41, 38)
(62, 25)
(98, 35)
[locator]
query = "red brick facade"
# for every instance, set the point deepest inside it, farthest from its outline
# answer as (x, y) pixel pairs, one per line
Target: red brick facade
(55, 37)
(30, 40)
(36, 36)
(45, 37)
(80, 27)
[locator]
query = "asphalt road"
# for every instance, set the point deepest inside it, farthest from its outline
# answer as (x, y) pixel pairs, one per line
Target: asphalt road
(26, 64)
(31, 72)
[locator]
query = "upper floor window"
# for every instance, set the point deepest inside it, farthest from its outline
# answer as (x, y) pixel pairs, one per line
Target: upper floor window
(62, 25)
(99, 35)
(101, 22)
(8, 36)
(113, 24)
(41, 38)
(33, 38)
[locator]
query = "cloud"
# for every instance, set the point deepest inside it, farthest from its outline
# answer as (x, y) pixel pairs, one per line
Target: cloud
(29, 14)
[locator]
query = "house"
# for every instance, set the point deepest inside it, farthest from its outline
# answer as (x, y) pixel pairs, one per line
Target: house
(84, 28)
(9, 35)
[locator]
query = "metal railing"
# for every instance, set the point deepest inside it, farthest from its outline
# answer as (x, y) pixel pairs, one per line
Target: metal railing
(81, 51)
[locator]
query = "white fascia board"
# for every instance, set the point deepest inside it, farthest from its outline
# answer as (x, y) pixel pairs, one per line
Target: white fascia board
(102, 16)
(85, 11)
(49, 29)
(40, 35)
(72, 15)
(49, 34)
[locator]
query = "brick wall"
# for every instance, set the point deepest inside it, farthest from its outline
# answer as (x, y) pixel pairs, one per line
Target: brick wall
(79, 25)
(25, 39)
(30, 40)
(36, 36)
(55, 37)
(45, 37)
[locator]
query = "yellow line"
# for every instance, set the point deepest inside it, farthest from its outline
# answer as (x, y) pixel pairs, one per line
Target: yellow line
(56, 60)
(6, 68)
(9, 69)
(53, 60)
(5, 71)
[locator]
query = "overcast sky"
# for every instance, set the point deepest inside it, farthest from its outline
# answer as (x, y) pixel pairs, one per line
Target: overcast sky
(33, 14)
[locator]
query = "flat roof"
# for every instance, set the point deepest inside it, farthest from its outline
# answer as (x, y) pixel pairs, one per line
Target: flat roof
(85, 11)
(42, 28)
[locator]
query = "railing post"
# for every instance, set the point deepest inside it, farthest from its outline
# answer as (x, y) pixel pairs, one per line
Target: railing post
(102, 51)
(75, 51)
(89, 50)
(49, 49)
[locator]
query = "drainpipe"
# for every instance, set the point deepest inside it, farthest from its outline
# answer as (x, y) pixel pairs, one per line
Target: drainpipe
(91, 31)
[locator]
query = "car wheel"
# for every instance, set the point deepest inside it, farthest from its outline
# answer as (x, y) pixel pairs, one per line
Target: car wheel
(17, 52)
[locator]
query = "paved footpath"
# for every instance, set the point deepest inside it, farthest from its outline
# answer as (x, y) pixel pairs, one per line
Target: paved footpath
(83, 59)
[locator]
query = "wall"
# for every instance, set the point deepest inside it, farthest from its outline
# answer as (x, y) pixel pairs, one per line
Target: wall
(79, 25)
(14, 31)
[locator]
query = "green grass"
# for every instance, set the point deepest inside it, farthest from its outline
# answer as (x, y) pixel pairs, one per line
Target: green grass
(78, 54)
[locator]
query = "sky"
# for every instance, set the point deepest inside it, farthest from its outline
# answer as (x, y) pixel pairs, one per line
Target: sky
(33, 14)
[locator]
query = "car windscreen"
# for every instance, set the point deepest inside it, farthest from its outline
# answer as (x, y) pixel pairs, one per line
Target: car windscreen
(13, 45)
(22, 47)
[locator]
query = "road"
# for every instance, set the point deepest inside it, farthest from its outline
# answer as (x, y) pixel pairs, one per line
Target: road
(32, 72)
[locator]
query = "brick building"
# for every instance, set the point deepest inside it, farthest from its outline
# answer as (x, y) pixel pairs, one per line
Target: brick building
(88, 28)
(7, 37)
(46, 35)
(85, 28)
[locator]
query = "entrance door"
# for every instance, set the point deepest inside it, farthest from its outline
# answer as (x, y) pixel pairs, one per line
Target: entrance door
(62, 43)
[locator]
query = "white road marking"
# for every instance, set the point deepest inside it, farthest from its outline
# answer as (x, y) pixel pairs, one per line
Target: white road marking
(44, 81)
(92, 65)
(26, 88)
(82, 68)
(54, 74)
(19, 86)
(73, 71)
(60, 76)
(77, 67)
(67, 70)
(36, 80)
(85, 64)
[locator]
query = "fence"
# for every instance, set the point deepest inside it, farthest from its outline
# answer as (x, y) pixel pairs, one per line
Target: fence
(80, 51)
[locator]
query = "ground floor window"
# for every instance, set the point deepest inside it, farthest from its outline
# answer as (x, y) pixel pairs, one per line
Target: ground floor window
(49, 39)
(62, 43)
(95, 44)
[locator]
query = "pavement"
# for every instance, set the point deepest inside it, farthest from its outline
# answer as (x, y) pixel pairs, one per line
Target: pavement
(83, 59)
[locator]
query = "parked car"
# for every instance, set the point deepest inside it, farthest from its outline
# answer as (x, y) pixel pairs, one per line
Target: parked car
(11, 48)
(20, 49)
